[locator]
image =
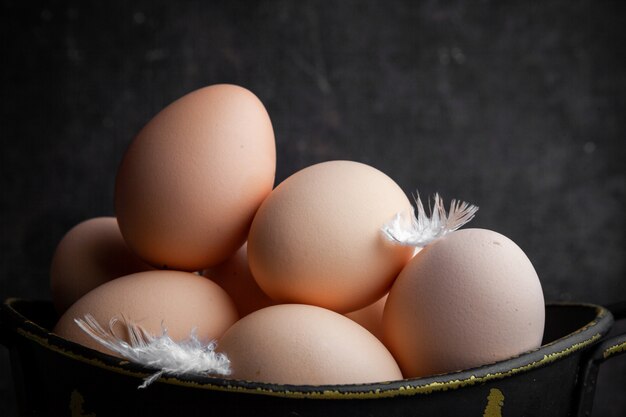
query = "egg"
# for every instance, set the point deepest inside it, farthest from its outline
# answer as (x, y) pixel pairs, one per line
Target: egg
(90, 254)
(304, 344)
(370, 317)
(465, 300)
(235, 278)
(192, 179)
(178, 301)
(317, 237)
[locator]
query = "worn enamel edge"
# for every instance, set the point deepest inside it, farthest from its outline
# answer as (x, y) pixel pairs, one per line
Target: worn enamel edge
(614, 350)
(379, 392)
(45, 342)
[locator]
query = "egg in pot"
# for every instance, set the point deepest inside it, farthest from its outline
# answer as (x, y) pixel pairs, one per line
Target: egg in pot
(91, 253)
(235, 278)
(304, 344)
(192, 179)
(316, 239)
(178, 301)
(465, 300)
(371, 317)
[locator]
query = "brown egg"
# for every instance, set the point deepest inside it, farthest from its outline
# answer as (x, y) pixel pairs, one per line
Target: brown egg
(192, 179)
(90, 254)
(180, 301)
(317, 238)
(235, 278)
(371, 317)
(303, 344)
(465, 300)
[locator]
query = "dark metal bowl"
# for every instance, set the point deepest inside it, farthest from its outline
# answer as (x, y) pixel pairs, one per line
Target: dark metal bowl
(56, 377)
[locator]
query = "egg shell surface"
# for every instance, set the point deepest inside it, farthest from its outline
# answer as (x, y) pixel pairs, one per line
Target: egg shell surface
(90, 254)
(371, 317)
(192, 179)
(317, 237)
(235, 278)
(466, 300)
(180, 301)
(304, 344)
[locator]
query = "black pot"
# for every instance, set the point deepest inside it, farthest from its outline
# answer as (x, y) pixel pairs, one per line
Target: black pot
(56, 377)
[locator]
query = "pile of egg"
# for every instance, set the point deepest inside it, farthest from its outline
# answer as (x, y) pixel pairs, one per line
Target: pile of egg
(297, 283)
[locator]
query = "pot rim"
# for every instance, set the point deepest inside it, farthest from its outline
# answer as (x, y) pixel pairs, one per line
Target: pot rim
(582, 338)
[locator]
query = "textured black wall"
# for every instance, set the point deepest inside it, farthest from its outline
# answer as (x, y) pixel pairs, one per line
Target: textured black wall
(518, 108)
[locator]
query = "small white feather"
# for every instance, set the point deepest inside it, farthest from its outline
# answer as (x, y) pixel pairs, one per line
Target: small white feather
(410, 230)
(189, 356)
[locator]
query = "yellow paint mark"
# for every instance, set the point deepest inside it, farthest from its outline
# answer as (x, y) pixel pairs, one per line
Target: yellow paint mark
(495, 402)
(76, 405)
(614, 350)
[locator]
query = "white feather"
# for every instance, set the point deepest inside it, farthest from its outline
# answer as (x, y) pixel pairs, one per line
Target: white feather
(410, 230)
(189, 356)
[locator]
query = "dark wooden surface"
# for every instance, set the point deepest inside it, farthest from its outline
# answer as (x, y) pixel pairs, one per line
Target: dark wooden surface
(517, 108)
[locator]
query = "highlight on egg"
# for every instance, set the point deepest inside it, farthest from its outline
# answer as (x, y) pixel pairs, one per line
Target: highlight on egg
(192, 179)
(468, 299)
(316, 238)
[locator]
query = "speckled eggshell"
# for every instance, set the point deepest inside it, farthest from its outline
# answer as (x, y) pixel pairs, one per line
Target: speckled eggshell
(90, 254)
(192, 179)
(305, 345)
(317, 237)
(178, 300)
(235, 278)
(468, 299)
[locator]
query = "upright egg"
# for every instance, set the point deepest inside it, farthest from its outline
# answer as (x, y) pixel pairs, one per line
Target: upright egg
(192, 179)
(90, 254)
(317, 237)
(304, 344)
(467, 299)
(178, 301)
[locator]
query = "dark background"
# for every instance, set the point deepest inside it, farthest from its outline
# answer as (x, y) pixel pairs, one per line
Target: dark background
(518, 108)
